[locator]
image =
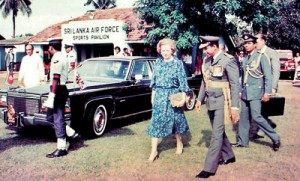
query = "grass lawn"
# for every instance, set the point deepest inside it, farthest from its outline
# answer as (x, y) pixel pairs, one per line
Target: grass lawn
(122, 152)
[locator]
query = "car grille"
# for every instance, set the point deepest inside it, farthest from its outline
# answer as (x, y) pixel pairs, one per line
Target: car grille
(27, 105)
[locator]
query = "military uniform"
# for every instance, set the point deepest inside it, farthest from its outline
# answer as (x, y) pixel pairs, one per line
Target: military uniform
(257, 81)
(56, 100)
(60, 66)
(273, 58)
(221, 78)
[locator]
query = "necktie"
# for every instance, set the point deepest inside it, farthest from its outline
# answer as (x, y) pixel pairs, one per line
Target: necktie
(248, 57)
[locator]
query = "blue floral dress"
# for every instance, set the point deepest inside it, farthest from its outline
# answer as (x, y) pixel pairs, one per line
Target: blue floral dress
(168, 78)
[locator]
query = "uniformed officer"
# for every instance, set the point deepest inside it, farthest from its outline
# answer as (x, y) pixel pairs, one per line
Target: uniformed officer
(256, 87)
(273, 57)
(70, 55)
(220, 87)
(58, 96)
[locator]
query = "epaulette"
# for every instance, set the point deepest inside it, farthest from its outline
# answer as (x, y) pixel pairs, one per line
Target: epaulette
(228, 55)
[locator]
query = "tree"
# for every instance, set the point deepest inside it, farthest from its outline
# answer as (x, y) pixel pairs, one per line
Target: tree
(101, 4)
(286, 34)
(14, 6)
(185, 20)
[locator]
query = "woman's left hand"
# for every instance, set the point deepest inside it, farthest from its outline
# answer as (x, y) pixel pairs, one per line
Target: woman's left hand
(181, 103)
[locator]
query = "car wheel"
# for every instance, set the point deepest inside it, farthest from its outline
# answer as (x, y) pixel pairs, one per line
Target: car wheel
(191, 101)
(98, 120)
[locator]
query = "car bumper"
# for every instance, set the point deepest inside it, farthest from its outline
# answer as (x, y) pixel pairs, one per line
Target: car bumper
(28, 120)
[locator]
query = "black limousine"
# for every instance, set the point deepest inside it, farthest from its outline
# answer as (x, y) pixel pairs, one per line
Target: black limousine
(114, 88)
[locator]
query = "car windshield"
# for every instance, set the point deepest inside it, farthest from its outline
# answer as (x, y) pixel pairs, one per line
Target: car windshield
(98, 69)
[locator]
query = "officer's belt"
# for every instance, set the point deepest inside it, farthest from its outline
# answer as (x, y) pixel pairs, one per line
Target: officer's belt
(227, 97)
(217, 84)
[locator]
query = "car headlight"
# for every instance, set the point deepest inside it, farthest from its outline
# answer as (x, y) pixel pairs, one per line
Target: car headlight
(3, 100)
(44, 109)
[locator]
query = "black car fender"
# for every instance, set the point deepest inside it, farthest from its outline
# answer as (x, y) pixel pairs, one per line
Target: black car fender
(107, 100)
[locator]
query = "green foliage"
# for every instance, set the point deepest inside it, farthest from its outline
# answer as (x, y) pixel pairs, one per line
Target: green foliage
(101, 4)
(14, 6)
(286, 34)
(126, 27)
(185, 20)
(8, 6)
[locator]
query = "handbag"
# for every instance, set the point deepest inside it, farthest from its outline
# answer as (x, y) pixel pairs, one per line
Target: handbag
(176, 99)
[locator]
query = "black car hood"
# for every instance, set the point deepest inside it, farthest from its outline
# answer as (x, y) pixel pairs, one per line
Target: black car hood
(72, 87)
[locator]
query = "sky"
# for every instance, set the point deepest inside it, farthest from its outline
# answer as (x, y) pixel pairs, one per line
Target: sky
(46, 13)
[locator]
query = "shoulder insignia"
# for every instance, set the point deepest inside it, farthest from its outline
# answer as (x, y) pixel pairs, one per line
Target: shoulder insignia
(56, 61)
(228, 55)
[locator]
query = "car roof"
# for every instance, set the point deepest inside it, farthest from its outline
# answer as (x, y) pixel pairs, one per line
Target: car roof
(127, 58)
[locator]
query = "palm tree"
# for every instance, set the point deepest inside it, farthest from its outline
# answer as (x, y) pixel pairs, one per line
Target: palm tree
(14, 6)
(102, 4)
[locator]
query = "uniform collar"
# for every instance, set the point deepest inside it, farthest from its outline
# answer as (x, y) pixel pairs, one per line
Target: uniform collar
(215, 60)
(217, 54)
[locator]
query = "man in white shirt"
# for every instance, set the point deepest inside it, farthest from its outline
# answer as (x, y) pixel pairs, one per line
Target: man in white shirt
(32, 71)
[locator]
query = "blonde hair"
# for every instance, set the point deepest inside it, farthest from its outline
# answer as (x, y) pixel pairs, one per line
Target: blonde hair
(166, 41)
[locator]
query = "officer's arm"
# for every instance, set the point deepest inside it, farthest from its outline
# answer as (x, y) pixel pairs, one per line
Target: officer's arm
(233, 72)
(267, 71)
(201, 94)
(275, 62)
(55, 83)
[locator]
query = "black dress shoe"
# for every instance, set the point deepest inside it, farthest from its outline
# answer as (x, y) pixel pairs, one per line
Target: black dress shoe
(237, 145)
(225, 162)
(204, 174)
(256, 136)
(57, 153)
(276, 145)
(75, 138)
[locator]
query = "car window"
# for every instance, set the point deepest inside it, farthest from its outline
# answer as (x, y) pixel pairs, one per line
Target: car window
(141, 67)
(94, 69)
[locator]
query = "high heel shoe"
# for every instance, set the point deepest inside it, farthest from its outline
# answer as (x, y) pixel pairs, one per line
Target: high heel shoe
(153, 157)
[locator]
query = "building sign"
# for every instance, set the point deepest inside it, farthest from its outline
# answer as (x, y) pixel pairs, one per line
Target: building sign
(93, 31)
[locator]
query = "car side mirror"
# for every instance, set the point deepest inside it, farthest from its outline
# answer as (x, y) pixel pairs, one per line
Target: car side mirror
(138, 78)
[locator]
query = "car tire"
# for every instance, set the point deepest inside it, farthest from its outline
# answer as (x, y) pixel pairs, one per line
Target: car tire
(191, 102)
(97, 120)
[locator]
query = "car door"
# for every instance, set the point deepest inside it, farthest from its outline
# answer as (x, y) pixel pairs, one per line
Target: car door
(135, 97)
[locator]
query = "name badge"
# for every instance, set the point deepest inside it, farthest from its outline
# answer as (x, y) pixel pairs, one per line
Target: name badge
(217, 71)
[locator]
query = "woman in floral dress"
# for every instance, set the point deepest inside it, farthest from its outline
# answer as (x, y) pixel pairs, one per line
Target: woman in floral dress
(169, 78)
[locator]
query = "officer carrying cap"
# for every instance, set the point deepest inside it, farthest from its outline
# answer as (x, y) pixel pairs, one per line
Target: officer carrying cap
(207, 40)
(249, 38)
